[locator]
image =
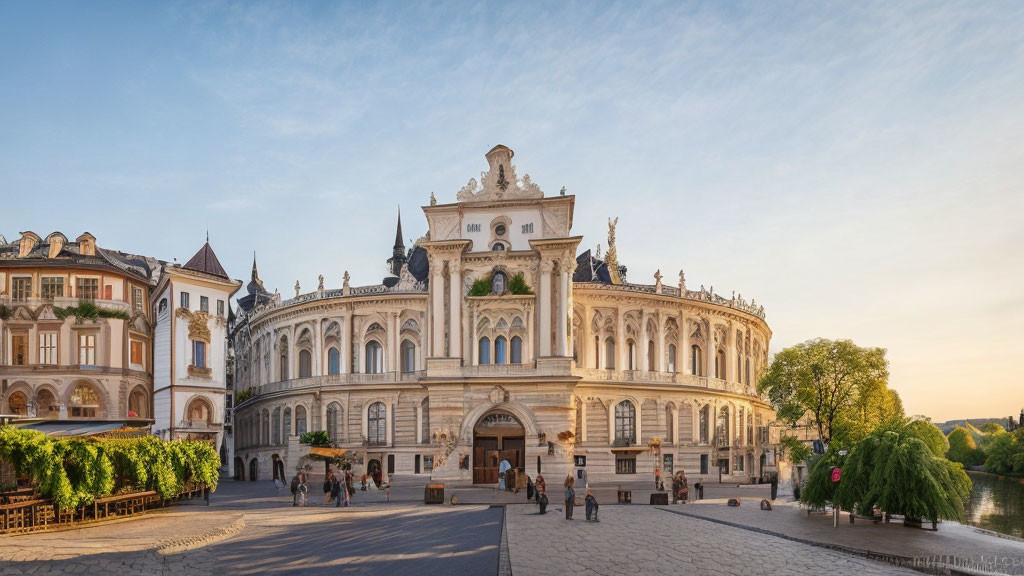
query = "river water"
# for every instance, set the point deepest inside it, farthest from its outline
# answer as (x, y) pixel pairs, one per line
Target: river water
(997, 503)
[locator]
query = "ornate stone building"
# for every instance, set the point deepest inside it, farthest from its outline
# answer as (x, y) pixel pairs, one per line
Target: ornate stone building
(87, 334)
(491, 339)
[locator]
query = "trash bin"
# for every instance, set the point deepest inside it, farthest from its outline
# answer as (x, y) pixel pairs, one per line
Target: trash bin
(625, 496)
(775, 487)
(433, 494)
(698, 488)
(659, 498)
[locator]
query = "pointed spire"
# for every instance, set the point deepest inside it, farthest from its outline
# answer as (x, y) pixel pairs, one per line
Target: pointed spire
(399, 243)
(398, 257)
(255, 272)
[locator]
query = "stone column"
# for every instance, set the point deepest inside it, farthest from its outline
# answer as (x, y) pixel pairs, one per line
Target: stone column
(586, 341)
(709, 353)
(732, 352)
(475, 352)
(318, 352)
(583, 418)
(455, 309)
(621, 350)
(345, 343)
(563, 310)
(419, 423)
(675, 425)
(396, 344)
(528, 347)
(610, 406)
(639, 422)
(687, 367)
(437, 312)
(644, 337)
(544, 321)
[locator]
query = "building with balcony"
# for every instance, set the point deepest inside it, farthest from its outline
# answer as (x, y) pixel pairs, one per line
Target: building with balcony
(493, 338)
(86, 332)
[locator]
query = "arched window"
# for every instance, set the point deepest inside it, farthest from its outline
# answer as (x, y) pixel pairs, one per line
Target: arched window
(137, 405)
(284, 363)
(425, 424)
(277, 425)
(671, 357)
(739, 368)
(702, 428)
(609, 354)
(85, 402)
(485, 350)
(630, 355)
(265, 437)
(376, 424)
(747, 380)
(300, 420)
(17, 403)
(305, 363)
(333, 361)
(597, 352)
(720, 364)
(374, 357)
(670, 427)
(652, 358)
(334, 422)
(500, 350)
(625, 423)
(46, 404)
(287, 423)
(723, 426)
(517, 350)
(695, 363)
(408, 356)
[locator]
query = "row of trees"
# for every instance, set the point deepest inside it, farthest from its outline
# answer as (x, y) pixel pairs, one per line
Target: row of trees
(76, 471)
(886, 460)
(1000, 452)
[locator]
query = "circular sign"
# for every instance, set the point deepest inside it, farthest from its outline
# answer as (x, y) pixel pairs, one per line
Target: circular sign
(836, 473)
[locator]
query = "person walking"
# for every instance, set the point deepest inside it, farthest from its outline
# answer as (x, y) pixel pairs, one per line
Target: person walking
(541, 494)
(591, 503)
(336, 491)
(529, 488)
(328, 486)
(570, 496)
(295, 489)
(303, 488)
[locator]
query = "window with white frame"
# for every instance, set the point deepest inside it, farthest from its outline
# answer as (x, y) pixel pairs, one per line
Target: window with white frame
(53, 287)
(87, 349)
(199, 354)
(374, 357)
(204, 304)
(625, 423)
(138, 303)
(48, 348)
(184, 300)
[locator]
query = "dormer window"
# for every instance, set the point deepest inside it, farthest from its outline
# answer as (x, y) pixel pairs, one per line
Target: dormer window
(498, 247)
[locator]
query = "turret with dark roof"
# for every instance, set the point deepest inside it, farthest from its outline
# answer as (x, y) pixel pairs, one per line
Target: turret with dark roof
(205, 261)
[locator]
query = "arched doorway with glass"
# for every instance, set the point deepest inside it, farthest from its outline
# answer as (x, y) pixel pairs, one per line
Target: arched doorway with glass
(373, 469)
(497, 436)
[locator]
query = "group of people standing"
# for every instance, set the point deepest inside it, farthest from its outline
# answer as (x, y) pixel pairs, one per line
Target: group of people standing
(538, 490)
(337, 487)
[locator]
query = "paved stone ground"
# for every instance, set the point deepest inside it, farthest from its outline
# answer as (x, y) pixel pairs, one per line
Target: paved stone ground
(650, 541)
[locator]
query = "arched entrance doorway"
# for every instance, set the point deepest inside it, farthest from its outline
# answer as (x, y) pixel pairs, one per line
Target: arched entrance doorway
(278, 465)
(254, 468)
(239, 468)
(497, 436)
(373, 470)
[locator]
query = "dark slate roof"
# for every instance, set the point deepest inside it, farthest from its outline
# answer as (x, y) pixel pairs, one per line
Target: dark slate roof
(69, 255)
(205, 261)
(590, 269)
(419, 264)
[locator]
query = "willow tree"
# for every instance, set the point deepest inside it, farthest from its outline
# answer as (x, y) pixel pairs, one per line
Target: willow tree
(895, 469)
(842, 386)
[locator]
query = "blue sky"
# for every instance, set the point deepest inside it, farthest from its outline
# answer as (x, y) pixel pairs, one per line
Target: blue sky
(855, 167)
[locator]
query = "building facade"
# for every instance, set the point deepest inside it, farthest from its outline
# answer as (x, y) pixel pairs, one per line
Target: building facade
(89, 334)
(492, 339)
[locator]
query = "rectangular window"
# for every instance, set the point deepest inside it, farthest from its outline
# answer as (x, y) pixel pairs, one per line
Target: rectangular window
(21, 288)
(19, 349)
(87, 288)
(703, 463)
(668, 462)
(220, 307)
(199, 354)
(624, 465)
(53, 288)
(137, 302)
(204, 304)
(48, 348)
(737, 464)
(428, 464)
(136, 352)
(87, 349)
(184, 300)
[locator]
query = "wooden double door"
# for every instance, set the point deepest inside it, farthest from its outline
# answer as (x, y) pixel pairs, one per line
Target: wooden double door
(489, 451)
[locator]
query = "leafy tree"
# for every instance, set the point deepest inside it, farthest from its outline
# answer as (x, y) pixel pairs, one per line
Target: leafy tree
(922, 428)
(1006, 453)
(963, 449)
(992, 428)
(894, 469)
(315, 438)
(797, 449)
(840, 385)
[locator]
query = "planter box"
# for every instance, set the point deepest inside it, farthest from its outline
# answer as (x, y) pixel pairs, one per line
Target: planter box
(433, 494)
(659, 498)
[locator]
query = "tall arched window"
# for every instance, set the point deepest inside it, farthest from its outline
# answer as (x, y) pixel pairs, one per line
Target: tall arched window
(723, 426)
(625, 423)
(485, 350)
(408, 356)
(630, 355)
(671, 357)
(334, 422)
(747, 381)
(17, 403)
(739, 368)
(284, 363)
(277, 425)
(500, 350)
(517, 350)
(287, 423)
(46, 404)
(670, 428)
(376, 424)
(695, 363)
(85, 402)
(702, 428)
(333, 361)
(720, 364)
(652, 358)
(609, 354)
(597, 352)
(300, 420)
(265, 437)
(425, 424)
(374, 357)
(305, 363)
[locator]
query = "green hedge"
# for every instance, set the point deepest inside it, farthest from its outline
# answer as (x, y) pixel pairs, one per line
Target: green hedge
(88, 310)
(76, 471)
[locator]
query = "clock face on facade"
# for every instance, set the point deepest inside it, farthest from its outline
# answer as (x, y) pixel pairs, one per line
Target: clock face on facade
(499, 230)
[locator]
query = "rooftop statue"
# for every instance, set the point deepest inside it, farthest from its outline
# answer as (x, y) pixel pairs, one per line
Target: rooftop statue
(611, 258)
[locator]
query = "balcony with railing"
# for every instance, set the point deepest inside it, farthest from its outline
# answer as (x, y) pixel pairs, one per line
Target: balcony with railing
(64, 302)
(654, 377)
(331, 381)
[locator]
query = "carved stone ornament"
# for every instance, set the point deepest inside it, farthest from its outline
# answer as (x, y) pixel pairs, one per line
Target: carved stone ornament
(498, 395)
(500, 181)
(198, 329)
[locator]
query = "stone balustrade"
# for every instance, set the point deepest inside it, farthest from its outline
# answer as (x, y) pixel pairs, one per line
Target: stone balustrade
(651, 377)
(64, 302)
